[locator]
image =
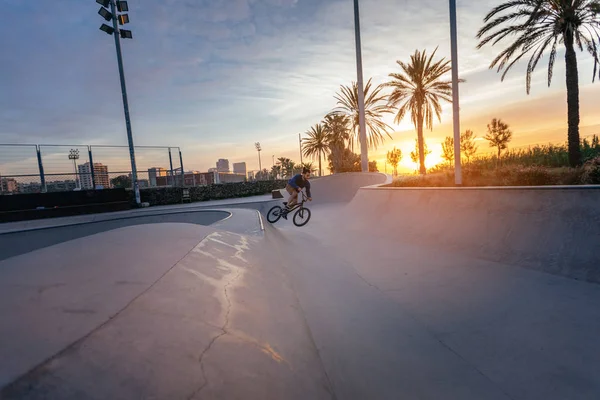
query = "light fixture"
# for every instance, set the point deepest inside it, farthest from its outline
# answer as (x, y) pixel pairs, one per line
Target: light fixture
(123, 19)
(107, 29)
(104, 13)
(104, 3)
(122, 6)
(125, 34)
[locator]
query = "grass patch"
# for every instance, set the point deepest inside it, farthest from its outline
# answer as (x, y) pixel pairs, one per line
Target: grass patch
(508, 175)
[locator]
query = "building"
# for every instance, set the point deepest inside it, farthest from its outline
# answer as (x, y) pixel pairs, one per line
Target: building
(154, 173)
(61, 186)
(191, 178)
(8, 185)
(231, 178)
(223, 165)
(239, 168)
(101, 177)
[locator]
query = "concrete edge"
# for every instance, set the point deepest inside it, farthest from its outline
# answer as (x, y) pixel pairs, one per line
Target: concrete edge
(545, 187)
(147, 214)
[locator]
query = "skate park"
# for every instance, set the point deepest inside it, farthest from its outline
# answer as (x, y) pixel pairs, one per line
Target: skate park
(386, 293)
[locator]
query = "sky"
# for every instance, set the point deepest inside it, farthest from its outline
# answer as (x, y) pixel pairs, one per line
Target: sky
(213, 77)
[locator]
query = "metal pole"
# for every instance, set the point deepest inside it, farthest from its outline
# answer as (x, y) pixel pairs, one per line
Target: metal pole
(364, 152)
(93, 173)
(300, 141)
(181, 165)
(455, 105)
(41, 168)
(76, 175)
(259, 164)
(171, 171)
(134, 179)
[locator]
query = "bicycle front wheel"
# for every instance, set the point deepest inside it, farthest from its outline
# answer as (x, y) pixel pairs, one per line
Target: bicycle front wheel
(302, 216)
(274, 214)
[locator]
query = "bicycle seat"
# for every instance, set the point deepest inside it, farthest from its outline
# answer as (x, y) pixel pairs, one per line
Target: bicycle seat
(285, 203)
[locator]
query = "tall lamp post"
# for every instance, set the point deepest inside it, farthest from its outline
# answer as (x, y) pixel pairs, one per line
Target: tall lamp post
(259, 149)
(455, 105)
(300, 142)
(364, 153)
(74, 155)
(121, 19)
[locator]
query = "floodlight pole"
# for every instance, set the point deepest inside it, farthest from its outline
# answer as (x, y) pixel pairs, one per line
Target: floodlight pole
(117, 36)
(455, 105)
(364, 152)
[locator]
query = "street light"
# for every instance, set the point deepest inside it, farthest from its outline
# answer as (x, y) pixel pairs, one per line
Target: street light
(121, 6)
(74, 155)
(455, 107)
(259, 149)
(300, 141)
(364, 153)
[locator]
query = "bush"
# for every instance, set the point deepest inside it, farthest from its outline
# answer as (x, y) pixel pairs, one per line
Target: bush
(173, 195)
(513, 175)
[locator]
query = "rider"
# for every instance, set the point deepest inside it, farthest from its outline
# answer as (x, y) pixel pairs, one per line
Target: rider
(294, 186)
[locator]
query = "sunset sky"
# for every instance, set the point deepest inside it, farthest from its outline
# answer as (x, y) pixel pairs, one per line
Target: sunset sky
(215, 76)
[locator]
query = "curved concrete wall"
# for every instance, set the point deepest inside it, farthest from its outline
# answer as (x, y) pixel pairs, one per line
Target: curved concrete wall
(342, 187)
(553, 229)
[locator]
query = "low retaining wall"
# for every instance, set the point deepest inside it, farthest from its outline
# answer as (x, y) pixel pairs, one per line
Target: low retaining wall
(552, 229)
(173, 195)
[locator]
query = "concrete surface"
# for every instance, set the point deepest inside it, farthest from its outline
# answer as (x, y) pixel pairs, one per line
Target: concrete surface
(372, 299)
(14, 242)
(556, 230)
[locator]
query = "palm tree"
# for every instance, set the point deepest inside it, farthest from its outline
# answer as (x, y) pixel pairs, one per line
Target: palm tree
(338, 136)
(375, 108)
(316, 143)
(533, 26)
(418, 89)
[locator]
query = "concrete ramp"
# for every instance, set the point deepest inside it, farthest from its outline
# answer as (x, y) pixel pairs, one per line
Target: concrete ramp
(339, 188)
(552, 229)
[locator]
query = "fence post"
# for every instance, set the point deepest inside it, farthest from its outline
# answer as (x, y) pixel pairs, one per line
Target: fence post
(171, 170)
(181, 165)
(92, 168)
(41, 167)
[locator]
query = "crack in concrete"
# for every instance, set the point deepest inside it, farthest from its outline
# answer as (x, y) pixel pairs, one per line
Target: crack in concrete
(224, 332)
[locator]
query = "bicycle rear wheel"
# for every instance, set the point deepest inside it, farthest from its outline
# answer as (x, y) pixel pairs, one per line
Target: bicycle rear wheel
(301, 217)
(274, 214)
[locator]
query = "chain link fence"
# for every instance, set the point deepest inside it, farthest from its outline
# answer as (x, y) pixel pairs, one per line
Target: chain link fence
(57, 168)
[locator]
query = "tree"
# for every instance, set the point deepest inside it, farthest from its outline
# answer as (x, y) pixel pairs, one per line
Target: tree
(415, 155)
(121, 181)
(286, 166)
(375, 109)
(418, 90)
(373, 166)
(498, 135)
(532, 27)
(468, 148)
(262, 175)
(276, 171)
(350, 162)
(448, 149)
(316, 144)
(393, 158)
(338, 136)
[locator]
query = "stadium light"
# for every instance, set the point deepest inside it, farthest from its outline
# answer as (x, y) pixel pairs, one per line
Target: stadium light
(125, 34)
(107, 29)
(122, 6)
(122, 19)
(104, 13)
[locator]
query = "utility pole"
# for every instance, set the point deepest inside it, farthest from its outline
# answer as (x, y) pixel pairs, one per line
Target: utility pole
(455, 105)
(364, 152)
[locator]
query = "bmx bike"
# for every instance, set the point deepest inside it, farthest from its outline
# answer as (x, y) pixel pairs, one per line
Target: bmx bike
(301, 216)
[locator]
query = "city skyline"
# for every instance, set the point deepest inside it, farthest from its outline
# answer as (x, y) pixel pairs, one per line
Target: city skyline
(275, 64)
